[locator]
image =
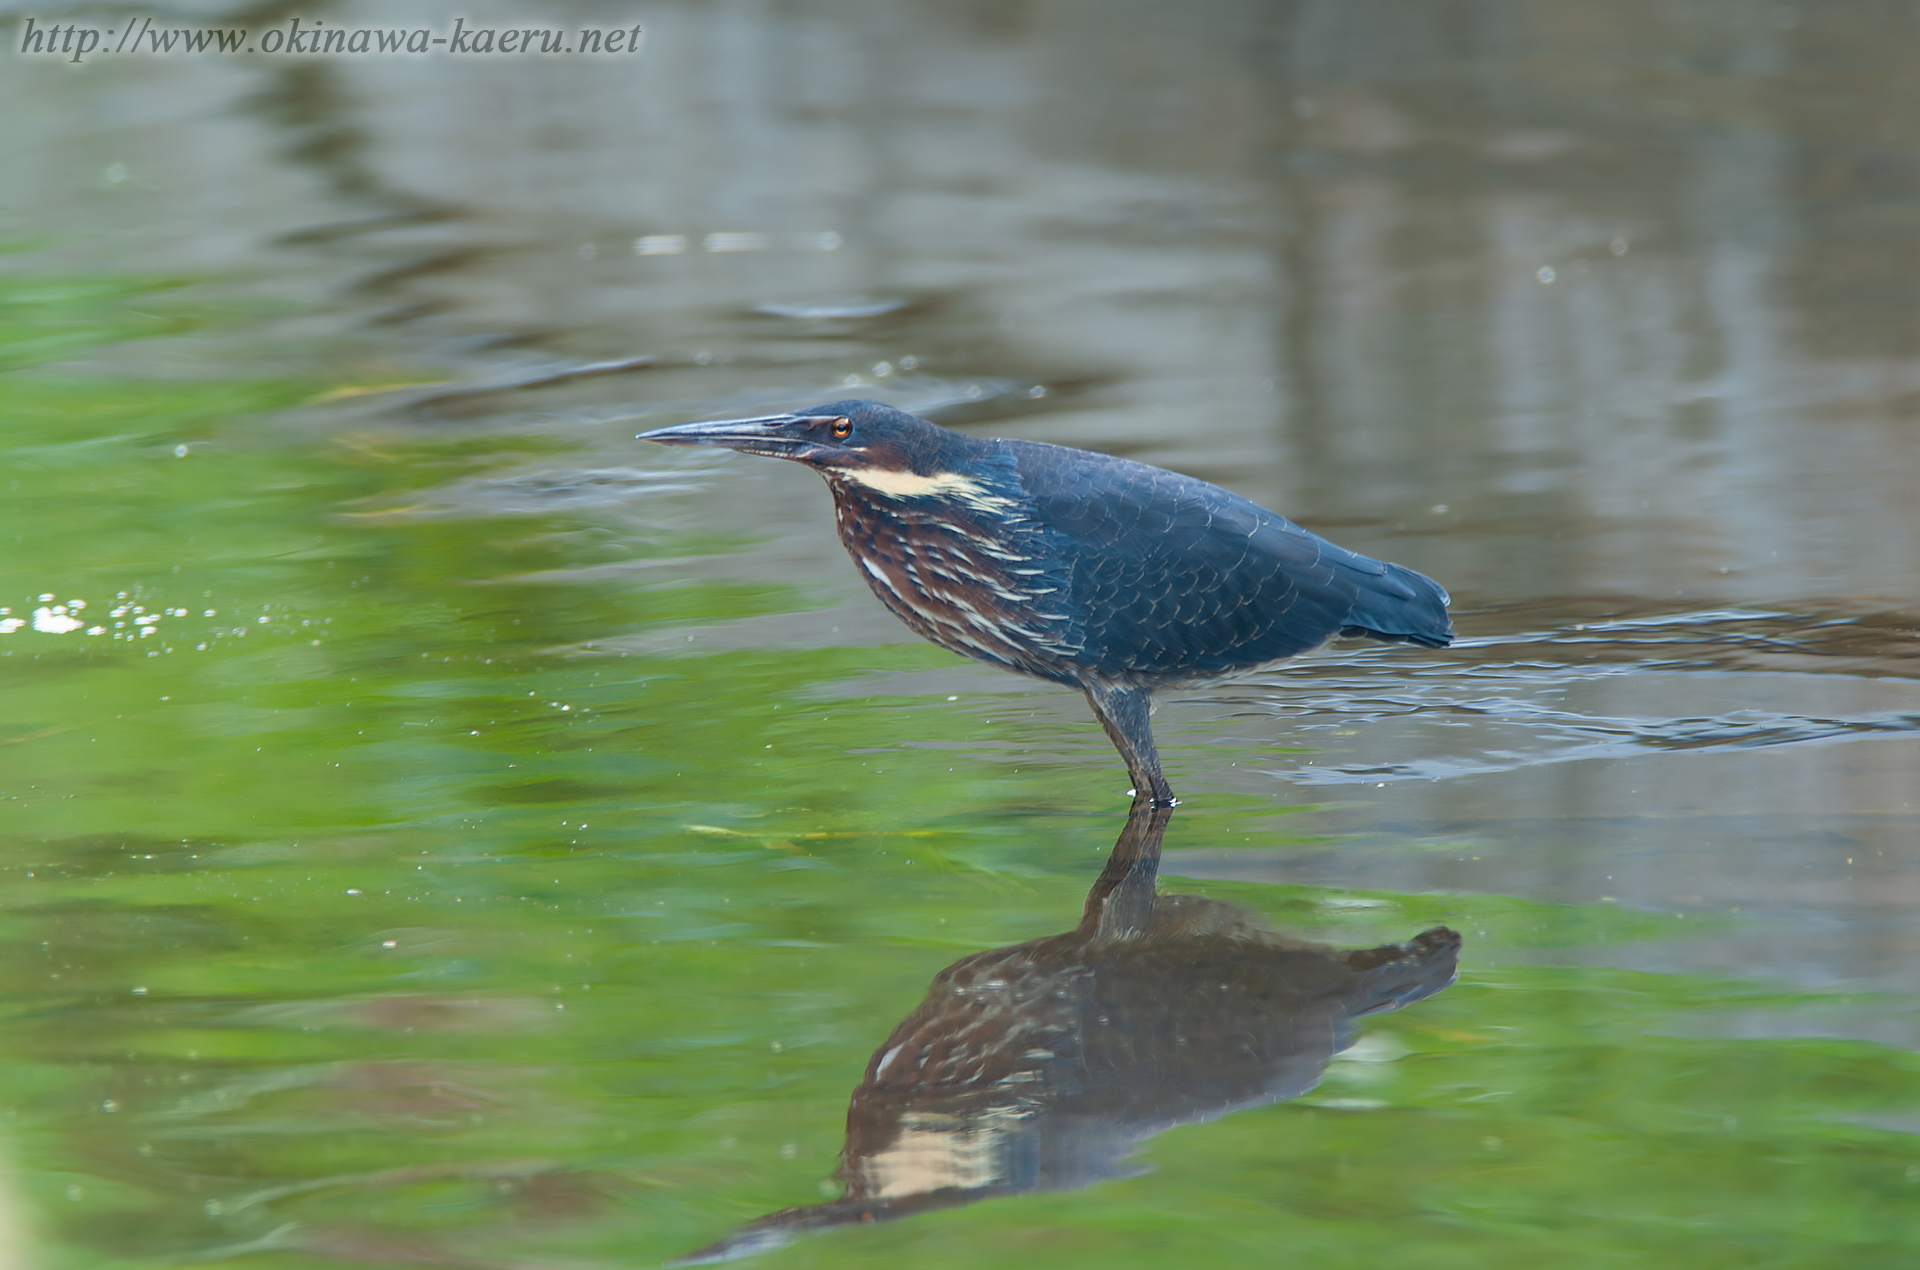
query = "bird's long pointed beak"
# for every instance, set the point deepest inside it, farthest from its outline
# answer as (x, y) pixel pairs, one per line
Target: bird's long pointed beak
(779, 436)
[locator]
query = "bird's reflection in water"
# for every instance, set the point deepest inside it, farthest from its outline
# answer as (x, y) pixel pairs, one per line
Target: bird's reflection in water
(1039, 1067)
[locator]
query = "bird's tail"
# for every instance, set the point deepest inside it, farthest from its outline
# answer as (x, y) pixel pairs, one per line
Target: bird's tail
(1403, 607)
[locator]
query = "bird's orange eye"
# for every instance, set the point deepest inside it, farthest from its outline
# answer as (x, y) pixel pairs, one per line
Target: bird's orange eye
(842, 429)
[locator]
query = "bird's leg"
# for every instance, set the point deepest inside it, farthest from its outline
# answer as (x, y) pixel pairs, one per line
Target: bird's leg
(1124, 712)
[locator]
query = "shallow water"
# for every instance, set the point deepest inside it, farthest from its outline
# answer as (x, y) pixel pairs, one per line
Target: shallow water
(511, 843)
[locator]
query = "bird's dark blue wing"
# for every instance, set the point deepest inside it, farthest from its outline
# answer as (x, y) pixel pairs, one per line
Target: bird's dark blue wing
(1173, 576)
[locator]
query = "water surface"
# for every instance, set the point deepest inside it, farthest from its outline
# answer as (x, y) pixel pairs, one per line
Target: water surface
(471, 838)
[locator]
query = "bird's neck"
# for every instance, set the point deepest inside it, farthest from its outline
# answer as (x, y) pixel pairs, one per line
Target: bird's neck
(984, 484)
(907, 495)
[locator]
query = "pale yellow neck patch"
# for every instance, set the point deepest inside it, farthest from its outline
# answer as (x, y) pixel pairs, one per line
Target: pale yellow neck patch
(914, 485)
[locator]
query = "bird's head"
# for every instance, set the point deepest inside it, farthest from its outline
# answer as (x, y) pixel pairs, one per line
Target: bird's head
(863, 441)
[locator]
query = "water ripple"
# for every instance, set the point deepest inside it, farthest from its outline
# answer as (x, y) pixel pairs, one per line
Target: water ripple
(1710, 680)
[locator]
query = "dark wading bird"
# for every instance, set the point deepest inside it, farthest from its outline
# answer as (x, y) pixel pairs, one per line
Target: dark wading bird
(1107, 575)
(1042, 1066)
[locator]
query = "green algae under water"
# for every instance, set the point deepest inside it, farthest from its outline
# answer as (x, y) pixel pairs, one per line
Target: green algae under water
(382, 908)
